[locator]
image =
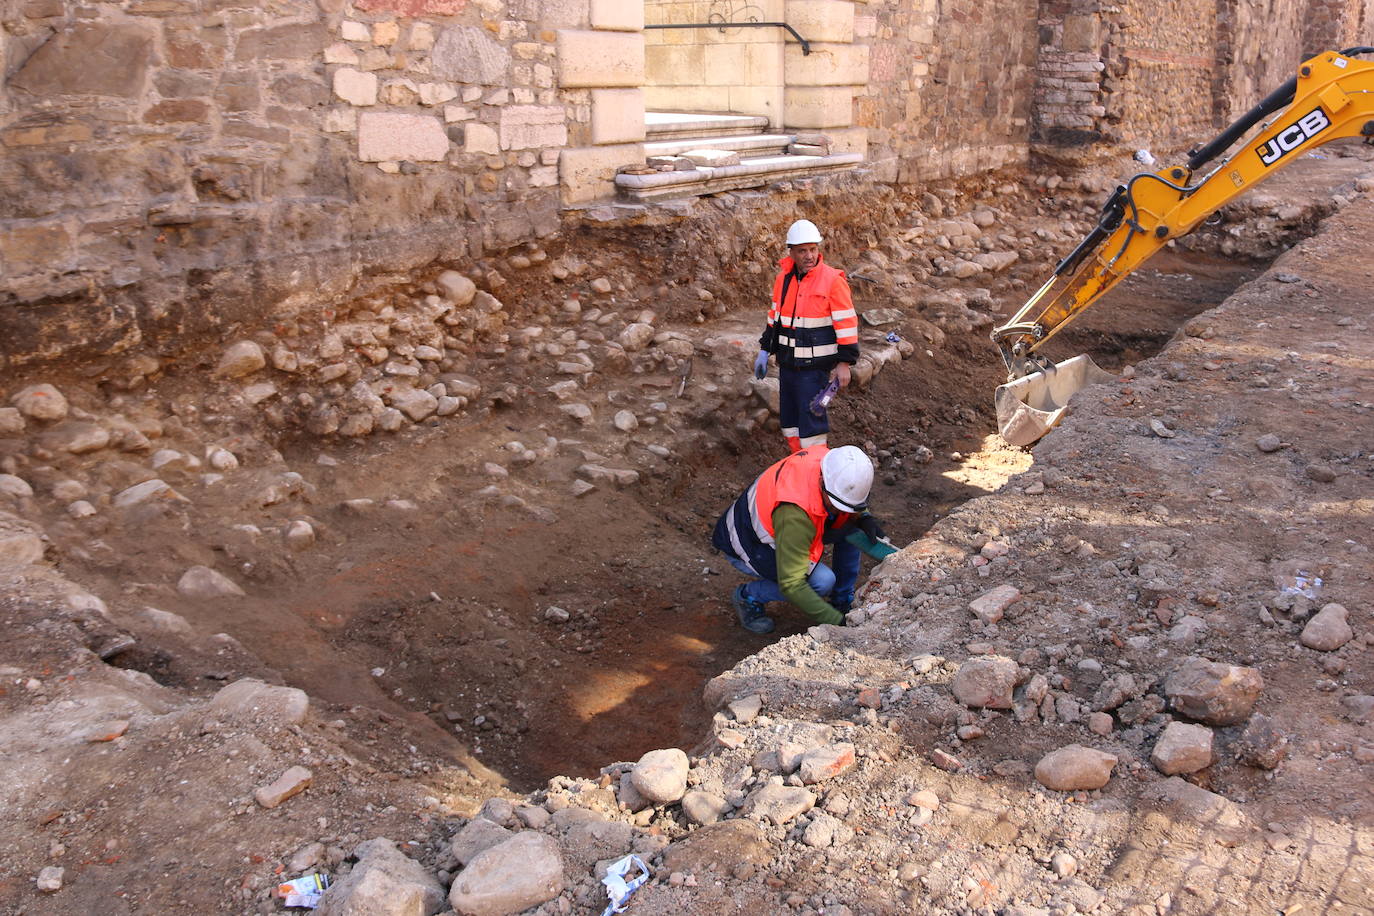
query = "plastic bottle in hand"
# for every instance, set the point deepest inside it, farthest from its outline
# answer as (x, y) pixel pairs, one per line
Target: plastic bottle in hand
(822, 400)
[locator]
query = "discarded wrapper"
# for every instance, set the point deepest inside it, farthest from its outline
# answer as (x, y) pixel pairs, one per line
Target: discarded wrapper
(617, 888)
(1303, 583)
(303, 892)
(893, 338)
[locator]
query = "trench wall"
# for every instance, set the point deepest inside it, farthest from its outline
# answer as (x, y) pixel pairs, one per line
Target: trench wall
(172, 169)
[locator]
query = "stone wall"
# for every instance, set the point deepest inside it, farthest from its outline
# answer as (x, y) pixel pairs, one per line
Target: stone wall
(177, 166)
(1257, 51)
(949, 85)
(1169, 75)
(1139, 73)
(174, 171)
(738, 70)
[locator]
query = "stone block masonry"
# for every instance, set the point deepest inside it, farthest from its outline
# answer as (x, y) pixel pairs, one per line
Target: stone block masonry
(172, 170)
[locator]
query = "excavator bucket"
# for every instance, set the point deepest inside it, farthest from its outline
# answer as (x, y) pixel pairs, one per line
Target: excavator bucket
(1033, 405)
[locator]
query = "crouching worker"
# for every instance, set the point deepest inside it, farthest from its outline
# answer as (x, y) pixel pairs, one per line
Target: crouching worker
(778, 529)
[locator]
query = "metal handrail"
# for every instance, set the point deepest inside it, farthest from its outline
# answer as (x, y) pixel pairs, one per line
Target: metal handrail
(805, 45)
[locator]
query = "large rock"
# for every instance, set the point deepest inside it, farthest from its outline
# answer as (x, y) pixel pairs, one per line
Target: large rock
(1074, 768)
(746, 709)
(1183, 799)
(103, 59)
(204, 582)
(519, 873)
(986, 681)
(619, 477)
(822, 763)
(1357, 707)
(288, 785)
(1213, 692)
(1262, 744)
(478, 836)
(385, 882)
(991, 605)
(628, 795)
(778, 803)
(40, 402)
(76, 437)
(155, 490)
(456, 288)
(242, 358)
(768, 392)
(661, 776)
(995, 261)
(1183, 748)
(385, 136)
(466, 54)
(594, 839)
(249, 699)
(18, 487)
(636, 336)
(21, 543)
(11, 421)
(722, 847)
(1328, 629)
(413, 402)
(704, 807)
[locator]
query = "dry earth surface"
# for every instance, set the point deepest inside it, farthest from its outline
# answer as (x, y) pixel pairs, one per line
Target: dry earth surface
(1161, 524)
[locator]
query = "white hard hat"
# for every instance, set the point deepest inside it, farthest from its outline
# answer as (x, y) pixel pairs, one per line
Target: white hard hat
(846, 477)
(802, 232)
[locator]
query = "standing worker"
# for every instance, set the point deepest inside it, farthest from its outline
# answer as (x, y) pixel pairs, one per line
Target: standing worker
(777, 531)
(813, 331)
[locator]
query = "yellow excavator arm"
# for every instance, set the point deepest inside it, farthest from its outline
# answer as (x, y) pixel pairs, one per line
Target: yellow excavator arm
(1332, 96)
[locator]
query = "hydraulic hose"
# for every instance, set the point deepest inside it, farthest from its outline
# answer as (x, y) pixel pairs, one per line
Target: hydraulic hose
(1279, 98)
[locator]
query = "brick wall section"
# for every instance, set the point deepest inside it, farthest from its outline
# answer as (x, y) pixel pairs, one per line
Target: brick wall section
(1168, 74)
(1257, 51)
(1136, 73)
(949, 88)
(1333, 25)
(1164, 55)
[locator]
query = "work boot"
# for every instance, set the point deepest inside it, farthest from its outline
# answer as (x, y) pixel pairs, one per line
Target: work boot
(750, 612)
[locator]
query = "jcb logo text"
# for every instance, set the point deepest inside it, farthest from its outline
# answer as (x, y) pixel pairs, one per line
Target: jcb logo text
(1293, 136)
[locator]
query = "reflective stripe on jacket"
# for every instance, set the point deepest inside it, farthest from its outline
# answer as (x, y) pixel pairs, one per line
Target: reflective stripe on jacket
(745, 530)
(816, 327)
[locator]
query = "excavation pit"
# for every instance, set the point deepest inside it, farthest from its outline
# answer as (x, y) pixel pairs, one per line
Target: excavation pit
(530, 644)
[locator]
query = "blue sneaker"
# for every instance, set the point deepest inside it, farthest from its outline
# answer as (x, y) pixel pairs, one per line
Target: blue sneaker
(750, 612)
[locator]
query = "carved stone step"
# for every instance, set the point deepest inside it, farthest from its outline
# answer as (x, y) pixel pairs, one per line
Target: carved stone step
(750, 173)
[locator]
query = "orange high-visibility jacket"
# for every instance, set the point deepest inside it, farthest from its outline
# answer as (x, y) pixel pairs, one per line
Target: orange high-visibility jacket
(813, 326)
(746, 532)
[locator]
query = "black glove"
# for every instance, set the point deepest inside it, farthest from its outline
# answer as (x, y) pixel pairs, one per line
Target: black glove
(871, 527)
